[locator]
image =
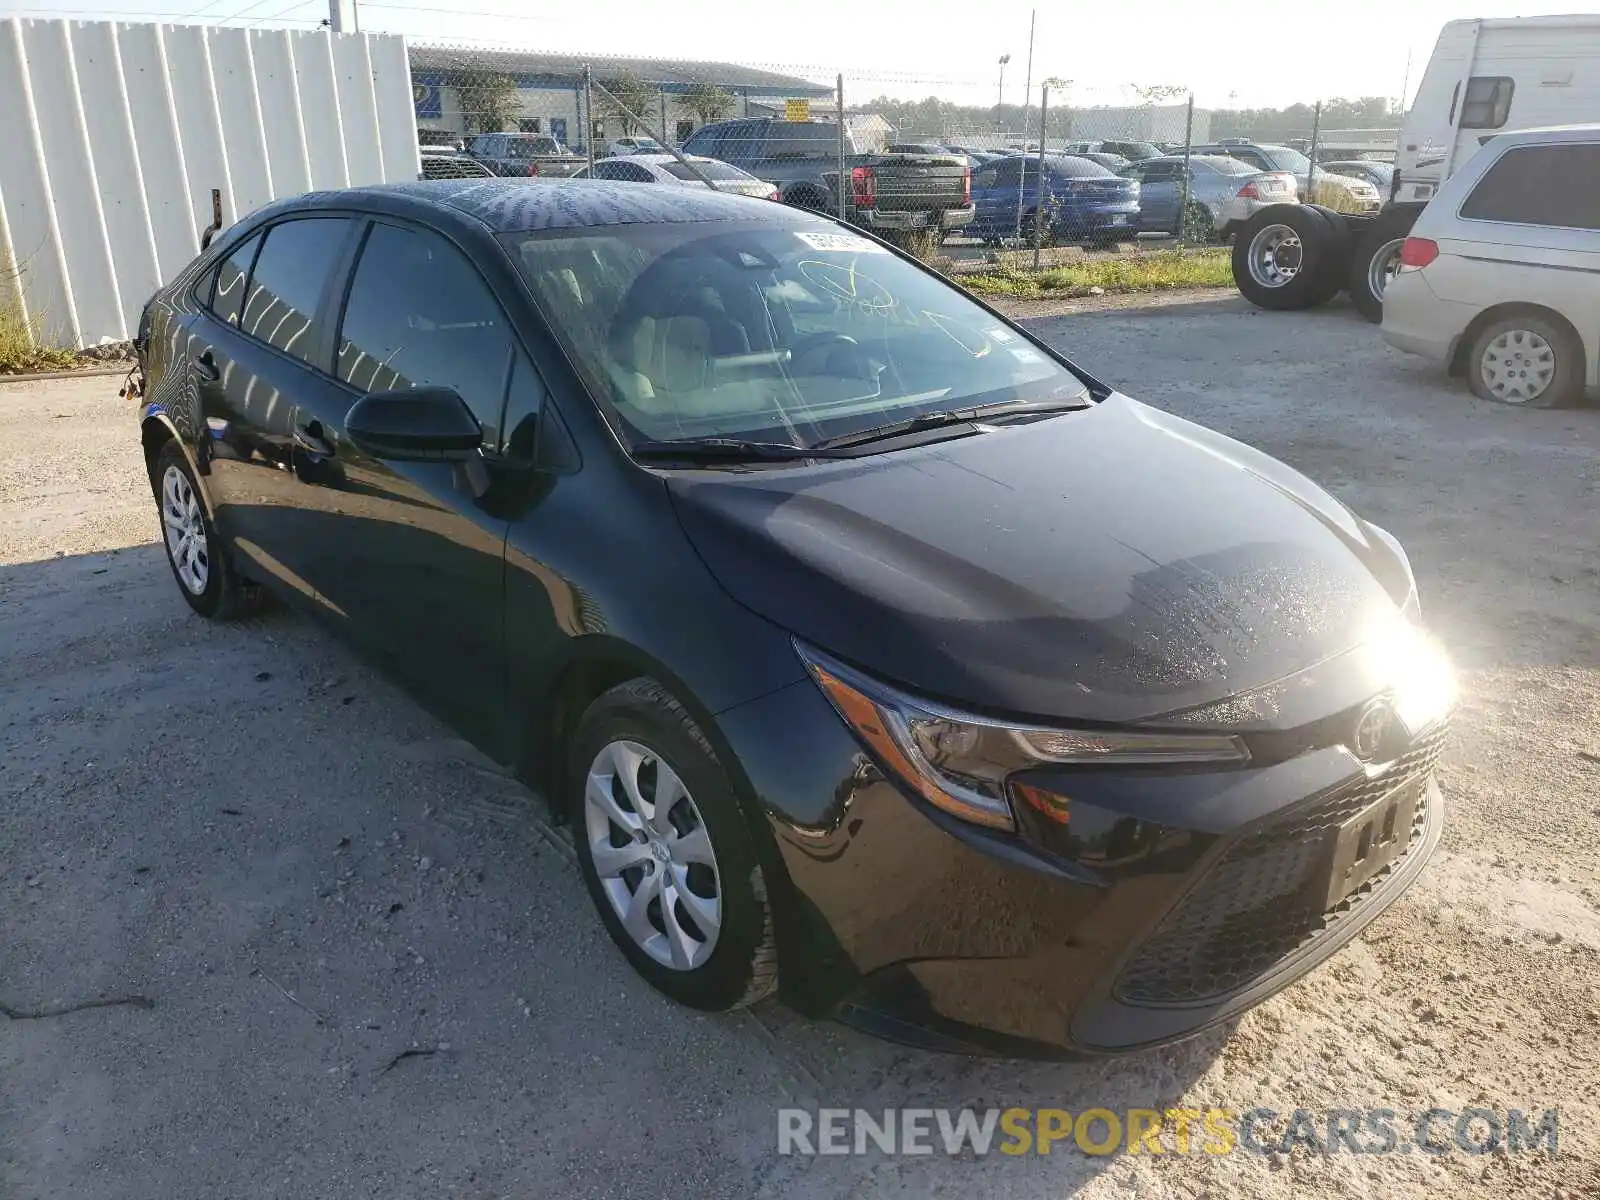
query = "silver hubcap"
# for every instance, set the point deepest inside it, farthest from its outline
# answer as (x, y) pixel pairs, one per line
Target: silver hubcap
(1383, 267)
(653, 855)
(186, 531)
(1518, 366)
(1275, 256)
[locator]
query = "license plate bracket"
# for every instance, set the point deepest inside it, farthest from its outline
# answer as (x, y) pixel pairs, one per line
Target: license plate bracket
(1370, 841)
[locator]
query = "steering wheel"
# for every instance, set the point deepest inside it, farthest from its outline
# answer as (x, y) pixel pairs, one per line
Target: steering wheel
(824, 345)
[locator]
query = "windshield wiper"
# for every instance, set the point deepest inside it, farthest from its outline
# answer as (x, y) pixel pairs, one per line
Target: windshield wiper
(978, 413)
(719, 449)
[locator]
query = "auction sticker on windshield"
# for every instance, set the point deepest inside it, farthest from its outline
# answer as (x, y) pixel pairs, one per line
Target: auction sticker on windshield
(840, 243)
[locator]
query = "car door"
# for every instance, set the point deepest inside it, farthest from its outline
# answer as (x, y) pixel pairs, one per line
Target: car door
(1159, 188)
(252, 357)
(994, 198)
(413, 558)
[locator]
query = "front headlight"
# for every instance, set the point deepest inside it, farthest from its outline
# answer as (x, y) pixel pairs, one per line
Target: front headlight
(1418, 670)
(959, 762)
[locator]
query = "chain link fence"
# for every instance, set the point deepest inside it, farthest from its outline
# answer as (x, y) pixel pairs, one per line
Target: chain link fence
(1072, 174)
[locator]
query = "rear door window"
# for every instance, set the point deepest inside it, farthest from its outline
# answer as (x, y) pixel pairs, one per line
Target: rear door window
(1540, 185)
(419, 313)
(288, 281)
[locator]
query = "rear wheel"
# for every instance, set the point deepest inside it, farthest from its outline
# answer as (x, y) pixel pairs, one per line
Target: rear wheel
(1376, 259)
(1032, 227)
(1528, 360)
(919, 243)
(1197, 227)
(1334, 265)
(1277, 255)
(199, 562)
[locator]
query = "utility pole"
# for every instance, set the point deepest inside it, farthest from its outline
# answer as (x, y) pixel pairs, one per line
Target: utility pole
(1000, 95)
(342, 17)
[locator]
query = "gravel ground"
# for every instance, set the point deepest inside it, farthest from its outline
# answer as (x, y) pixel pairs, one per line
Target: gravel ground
(305, 876)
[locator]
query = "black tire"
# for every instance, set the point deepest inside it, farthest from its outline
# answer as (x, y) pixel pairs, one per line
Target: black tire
(1046, 234)
(807, 198)
(919, 243)
(1566, 381)
(1334, 266)
(1377, 247)
(1196, 226)
(224, 595)
(742, 963)
(1308, 230)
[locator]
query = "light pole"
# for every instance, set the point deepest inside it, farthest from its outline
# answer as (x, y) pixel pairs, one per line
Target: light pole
(1000, 97)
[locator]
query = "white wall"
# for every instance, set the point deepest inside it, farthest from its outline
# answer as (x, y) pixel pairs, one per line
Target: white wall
(112, 136)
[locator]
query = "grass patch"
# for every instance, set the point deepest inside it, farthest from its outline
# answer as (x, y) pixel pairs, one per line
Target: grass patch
(1152, 272)
(20, 355)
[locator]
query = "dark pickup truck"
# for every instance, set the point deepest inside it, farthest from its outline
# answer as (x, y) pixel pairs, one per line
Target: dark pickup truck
(912, 200)
(522, 154)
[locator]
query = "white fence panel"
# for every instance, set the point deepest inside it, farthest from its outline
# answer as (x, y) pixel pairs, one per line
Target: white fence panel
(121, 131)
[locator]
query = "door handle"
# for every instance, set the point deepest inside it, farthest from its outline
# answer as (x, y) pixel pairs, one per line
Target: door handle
(309, 438)
(206, 367)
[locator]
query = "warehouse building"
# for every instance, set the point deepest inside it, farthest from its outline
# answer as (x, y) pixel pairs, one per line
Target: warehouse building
(459, 92)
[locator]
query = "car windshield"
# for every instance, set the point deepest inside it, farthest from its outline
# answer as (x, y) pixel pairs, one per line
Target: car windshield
(771, 332)
(1078, 168)
(1224, 165)
(531, 147)
(710, 168)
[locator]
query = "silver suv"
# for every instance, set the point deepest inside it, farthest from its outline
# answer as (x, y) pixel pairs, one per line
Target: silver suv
(1500, 278)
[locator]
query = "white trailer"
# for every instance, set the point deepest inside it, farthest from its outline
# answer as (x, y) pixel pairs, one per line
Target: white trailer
(1494, 76)
(1486, 77)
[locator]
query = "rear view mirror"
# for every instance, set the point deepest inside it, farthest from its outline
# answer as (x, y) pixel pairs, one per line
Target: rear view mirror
(414, 424)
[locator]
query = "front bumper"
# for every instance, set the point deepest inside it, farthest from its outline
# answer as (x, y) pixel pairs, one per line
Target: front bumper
(1164, 905)
(896, 220)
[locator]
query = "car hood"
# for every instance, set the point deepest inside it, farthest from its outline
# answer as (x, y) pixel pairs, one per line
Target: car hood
(1113, 564)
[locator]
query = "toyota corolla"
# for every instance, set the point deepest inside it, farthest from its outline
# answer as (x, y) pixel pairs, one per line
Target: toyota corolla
(874, 653)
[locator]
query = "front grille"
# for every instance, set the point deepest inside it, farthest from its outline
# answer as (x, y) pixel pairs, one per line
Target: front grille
(1262, 898)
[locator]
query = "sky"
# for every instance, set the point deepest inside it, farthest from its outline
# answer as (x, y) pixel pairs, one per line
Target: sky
(1244, 53)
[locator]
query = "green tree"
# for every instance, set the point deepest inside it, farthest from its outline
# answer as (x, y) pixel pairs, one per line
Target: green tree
(628, 98)
(489, 99)
(1158, 93)
(706, 102)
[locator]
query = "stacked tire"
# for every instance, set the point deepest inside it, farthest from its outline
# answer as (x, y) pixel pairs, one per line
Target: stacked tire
(1295, 256)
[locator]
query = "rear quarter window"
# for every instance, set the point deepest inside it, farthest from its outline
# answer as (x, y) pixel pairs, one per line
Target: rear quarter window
(226, 301)
(1540, 185)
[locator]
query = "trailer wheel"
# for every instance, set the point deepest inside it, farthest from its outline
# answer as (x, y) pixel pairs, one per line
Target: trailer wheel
(1278, 254)
(1377, 258)
(1334, 267)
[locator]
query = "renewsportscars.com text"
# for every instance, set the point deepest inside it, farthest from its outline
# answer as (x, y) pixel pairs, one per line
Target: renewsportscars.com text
(1101, 1131)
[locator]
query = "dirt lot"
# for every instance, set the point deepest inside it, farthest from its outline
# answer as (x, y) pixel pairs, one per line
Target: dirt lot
(306, 876)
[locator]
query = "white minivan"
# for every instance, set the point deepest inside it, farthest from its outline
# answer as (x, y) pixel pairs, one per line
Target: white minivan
(1500, 278)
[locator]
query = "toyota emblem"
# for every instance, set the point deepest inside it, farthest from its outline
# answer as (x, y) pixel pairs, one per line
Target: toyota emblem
(1372, 729)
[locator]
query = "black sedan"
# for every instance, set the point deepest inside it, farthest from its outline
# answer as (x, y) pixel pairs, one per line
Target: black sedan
(873, 652)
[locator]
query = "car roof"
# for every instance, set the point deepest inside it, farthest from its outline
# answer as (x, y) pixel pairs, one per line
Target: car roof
(656, 159)
(1552, 133)
(526, 205)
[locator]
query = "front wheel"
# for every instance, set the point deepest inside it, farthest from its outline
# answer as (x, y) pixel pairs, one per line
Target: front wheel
(666, 853)
(1527, 360)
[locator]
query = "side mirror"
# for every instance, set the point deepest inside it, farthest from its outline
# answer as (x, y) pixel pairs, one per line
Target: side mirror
(415, 424)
